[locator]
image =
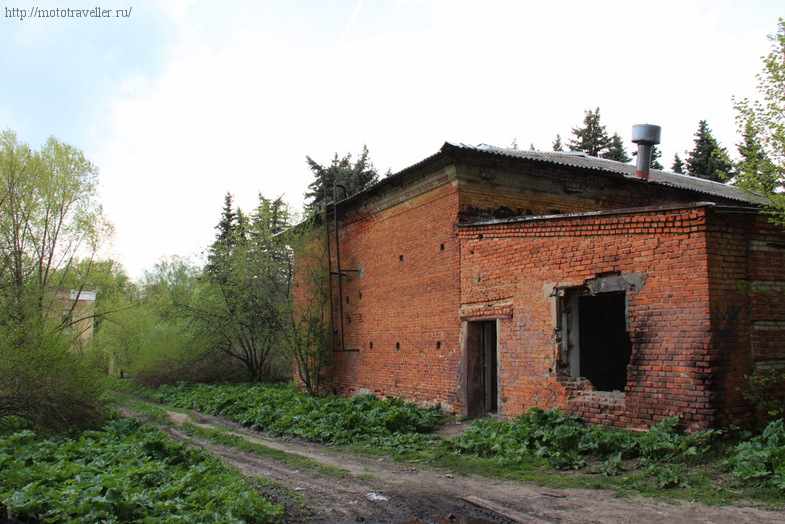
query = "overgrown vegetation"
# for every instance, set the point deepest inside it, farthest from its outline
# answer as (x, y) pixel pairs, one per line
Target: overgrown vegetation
(282, 409)
(716, 466)
(48, 217)
(125, 472)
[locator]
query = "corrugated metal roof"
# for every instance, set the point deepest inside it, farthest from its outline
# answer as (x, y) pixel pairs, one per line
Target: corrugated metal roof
(584, 161)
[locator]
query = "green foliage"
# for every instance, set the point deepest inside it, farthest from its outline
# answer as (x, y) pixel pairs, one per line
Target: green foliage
(592, 138)
(46, 386)
(663, 443)
(763, 457)
(557, 144)
(353, 176)
(762, 124)
(616, 150)
(560, 441)
(241, 308)
(308, 338)
(678, 164)
(284, 410)
(766, 390)
(125, 472)
(708, 159)
(48, 216)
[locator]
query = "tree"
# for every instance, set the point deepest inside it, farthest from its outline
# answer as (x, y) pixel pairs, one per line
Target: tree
(48, 218)
(655, 155)
(708, 159)
(616, 150)
(557, 145)
(678, 164)
(354, 177)
(592, 138)
(755, 170)
(309, 335)
(762, 123)
(242, 308)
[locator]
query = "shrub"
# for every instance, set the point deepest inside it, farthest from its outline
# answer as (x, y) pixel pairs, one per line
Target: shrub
(46, 386)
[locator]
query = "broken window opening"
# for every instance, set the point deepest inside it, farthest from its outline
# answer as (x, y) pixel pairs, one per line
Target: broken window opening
(596, 337)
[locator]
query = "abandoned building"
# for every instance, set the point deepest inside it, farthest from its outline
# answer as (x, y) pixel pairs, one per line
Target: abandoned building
(491, 280)
(76, 309)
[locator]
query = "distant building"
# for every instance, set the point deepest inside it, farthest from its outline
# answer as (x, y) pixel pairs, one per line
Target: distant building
(76, 309)
(494, 280)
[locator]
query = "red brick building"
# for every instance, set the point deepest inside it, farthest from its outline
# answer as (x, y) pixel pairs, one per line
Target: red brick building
(494, 280)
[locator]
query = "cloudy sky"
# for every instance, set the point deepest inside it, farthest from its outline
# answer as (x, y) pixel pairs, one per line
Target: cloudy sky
(179, 102)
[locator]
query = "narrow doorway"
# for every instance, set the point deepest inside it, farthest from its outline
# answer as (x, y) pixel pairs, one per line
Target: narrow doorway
(482, 377)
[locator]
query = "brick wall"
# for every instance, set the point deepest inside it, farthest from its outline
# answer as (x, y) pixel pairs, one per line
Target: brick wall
(706, 305)
(400, 304)
(670, 313)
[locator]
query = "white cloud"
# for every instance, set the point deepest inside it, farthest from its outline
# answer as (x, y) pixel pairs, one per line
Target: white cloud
(239, 113)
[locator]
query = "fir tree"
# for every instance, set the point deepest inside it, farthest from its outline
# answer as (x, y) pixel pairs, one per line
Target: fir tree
(766, 116)
(557, 145)
(708, 159)
(655, 155)
(678, 164)
(592, 138)
(353, 176)
(616, 150)
(755, 171)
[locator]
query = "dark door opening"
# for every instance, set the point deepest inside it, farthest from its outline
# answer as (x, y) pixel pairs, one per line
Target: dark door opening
(604, 342)
(482, 390)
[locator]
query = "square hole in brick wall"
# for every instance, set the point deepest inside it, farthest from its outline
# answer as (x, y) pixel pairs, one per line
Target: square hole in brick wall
(596, 331)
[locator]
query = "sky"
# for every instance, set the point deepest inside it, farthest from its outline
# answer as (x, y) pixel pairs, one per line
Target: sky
(180, 102)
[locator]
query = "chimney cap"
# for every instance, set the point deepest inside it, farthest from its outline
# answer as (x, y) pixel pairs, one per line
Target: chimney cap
(647, 134)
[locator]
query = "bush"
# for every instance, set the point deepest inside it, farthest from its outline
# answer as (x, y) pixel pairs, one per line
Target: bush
(46, 386)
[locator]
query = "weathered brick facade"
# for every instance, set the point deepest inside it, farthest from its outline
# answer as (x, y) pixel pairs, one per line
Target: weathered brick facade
(489, 281)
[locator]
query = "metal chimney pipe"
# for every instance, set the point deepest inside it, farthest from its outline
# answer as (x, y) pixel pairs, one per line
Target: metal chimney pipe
(645, 135)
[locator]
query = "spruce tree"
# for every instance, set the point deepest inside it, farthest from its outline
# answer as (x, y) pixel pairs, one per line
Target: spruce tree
(755, 171)
(592, 138)
(655, 155)
(708, 159)
(353, 176)
(678, 164)
(766, 116)
(557, 145)
(616, 150)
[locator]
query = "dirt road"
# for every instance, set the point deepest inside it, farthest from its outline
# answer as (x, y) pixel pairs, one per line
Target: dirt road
(379, 490)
